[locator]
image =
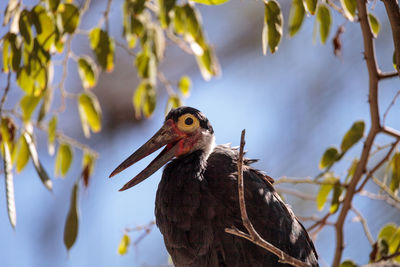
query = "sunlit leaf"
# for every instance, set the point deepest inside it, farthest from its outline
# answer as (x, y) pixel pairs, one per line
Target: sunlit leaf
(45, 107)
(28, 104)
(103, 47)
(352, 169)
(394, 60)
(352, 136)
(25, 28)
(90, 112)
(324, 191)
(311, 6)
(6, 54)
(63, 160)
(296, 17)
(394, 244)
(179, 20)
(173, 102)
(52, 134)
(124, 244)
(395, 167)
(208, 64)
(144, 100)
(184, 85)
(35, 159)
(273, 24)
(7, 129)
(12, 215)
(68, 19)
(87, 71)
(387, 232)
(165, 11)
(22, 154)
(349, 7)
(72, 221)
(52, 4)
(329, 157)
(10, 11)
(211, 2)
(375, 25)
(337, 191)
(45, 27)
(324, 20)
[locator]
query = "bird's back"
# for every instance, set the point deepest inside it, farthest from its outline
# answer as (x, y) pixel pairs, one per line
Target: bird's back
(194, 205)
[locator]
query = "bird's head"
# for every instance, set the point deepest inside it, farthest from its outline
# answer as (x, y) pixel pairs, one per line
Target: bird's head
(185, 130)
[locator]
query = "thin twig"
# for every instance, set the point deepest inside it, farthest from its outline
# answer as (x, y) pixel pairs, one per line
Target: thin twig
(295, 193)
(166, 83)
(288, 180)
(393, 12)
(322, 221)
(253, 236)
(3, 98)
(385, 189)
(390, 106)
(364, 224)
(382, 197)
(126, 48)
(179, 42)
(388, 75)
(390, 131)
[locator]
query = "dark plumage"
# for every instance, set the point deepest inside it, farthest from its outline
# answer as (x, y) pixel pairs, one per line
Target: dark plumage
(197, 199)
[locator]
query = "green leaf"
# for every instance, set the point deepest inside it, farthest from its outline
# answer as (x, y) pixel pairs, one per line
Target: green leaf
(45, 27)
(52, 134)
(394, 60)
(296, 17)
(144, 100)
(165, 12)
(349, 7)
(208, 64)
(90, 112)
(35, 159)
(395, 167)
(324, 191)
(124, 244)
(63, 160)
(352, 169)
(28, 104)
(173, 102)
(311, 6)
(68, 19)
(179, 20)
(273, 24)
(325, 21)
(337, 191)
(352, 136)
(12, 215)
(25, 27)
(103, 47)
(348, 263)
(329, 157)
(184, 85)
(375, 25)
(52, 4)
(394, 244)
(87, 71)
(44, 109)
(72, 221)
(22, 154)
(387, 232)
(211, 2)
(6, 53)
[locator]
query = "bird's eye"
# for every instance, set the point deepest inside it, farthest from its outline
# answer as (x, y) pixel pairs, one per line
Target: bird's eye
(188, 123)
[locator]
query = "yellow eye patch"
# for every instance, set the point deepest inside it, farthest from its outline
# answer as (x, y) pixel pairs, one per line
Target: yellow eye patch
(188, 123)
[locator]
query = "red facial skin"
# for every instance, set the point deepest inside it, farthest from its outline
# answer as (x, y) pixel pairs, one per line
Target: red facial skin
(186, 140)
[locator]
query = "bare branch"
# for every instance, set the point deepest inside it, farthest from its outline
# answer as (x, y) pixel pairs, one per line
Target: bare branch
(295, 193)
(166, 83)
(382, 197)
(288, 180)
(3, 98)
(364, 224)
(393, 11)
(390, 106)
(253, 236)
(388, 75)
(390, 131)
(385, 189)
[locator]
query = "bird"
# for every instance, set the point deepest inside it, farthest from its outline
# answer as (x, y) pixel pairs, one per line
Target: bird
(197, 198)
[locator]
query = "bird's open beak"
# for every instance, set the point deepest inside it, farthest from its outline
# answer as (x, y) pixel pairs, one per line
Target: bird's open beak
(168, 135)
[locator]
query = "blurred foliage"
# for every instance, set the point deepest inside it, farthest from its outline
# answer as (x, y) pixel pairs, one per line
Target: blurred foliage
(37, 34)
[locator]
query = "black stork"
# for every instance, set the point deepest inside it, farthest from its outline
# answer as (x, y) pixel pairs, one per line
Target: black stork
(197, 199)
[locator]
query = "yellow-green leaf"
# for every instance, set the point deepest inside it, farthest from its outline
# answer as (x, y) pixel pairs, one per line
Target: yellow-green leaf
(179, 20)
(352, 169)
(211, 2)
(394, 244)
(124, 244)
(208, 63)
(63, 160)
(173, 102)
(184, 85)
(103, 47)
(348, 263)
(311, 6)
(353, 135)
(87, 168)
(324, 20)
(337, 191)
(395, 167)
(72, 221)
(52, 134)
(52, 4)
(6, 53)
(22, 154)
(375, 25)
(296, 16)
(45, 27)
(273, 26)
(12, 215)
(89, 111)
(35, 159)
(329, 157)
(87, 71)
(387, 232)
(28, 104)
(165, 11)
(144, 100)
(349, 7)
(68, 19)
(25, 28)
(324, 191)
(394, 60)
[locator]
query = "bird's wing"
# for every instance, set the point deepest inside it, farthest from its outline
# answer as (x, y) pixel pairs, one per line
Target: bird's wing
(270, 216)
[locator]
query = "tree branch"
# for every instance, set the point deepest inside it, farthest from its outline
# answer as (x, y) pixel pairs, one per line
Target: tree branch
(393, 11)
(364, 224)
(253, 236)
